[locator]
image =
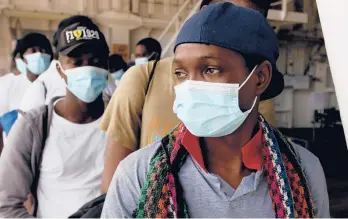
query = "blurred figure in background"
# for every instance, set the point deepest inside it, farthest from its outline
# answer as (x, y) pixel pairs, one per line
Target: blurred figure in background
(33, 55)
(5, 84)
(147, 49)
(46, 87)
(117, 68)
(16, 60)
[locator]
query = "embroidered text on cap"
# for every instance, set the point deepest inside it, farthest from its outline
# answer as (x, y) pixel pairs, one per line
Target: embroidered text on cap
(81, 33)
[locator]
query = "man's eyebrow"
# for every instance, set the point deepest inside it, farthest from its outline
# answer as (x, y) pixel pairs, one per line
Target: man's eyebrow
(209, 57)
(176, 61)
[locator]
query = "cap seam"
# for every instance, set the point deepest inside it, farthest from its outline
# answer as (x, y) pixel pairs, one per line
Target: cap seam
(205, 21)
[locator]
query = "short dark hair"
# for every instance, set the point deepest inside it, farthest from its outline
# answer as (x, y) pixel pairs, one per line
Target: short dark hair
(15, 52)
(151, 46)
(32, 40)
(116, 63)
(264, 4)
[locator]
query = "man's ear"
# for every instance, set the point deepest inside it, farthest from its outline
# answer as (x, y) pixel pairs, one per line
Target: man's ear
(264, 75)
(60, 71)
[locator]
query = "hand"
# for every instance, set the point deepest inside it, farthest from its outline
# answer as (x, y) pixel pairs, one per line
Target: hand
(28, 204)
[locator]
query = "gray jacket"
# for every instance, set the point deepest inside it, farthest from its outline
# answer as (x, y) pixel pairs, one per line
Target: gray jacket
(20, 161)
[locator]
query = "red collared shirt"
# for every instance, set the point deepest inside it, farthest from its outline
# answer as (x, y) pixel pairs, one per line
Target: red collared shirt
(251, 152)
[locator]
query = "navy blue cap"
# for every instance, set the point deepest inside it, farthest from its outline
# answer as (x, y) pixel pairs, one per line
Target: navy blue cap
(237, 28)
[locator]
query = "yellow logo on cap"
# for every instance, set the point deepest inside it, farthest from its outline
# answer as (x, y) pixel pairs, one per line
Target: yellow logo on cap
(77, 33)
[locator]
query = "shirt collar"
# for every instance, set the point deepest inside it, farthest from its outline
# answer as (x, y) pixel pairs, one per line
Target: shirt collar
(251, 152)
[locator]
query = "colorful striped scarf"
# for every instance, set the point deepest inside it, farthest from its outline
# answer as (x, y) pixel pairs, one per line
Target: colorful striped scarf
(162, 194)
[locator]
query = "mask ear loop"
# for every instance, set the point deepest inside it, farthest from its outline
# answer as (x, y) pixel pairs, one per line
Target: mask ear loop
(61, 67)
(153, 54)
(246, 80)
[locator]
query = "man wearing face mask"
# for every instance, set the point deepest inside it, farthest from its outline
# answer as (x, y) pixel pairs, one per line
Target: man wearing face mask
(33, 55)
(134, 119)
(147, 49)
(224, 160)
(56, 152)
(117, 68)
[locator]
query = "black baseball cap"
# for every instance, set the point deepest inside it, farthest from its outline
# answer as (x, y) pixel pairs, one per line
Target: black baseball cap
(79, 31)
(236, 28)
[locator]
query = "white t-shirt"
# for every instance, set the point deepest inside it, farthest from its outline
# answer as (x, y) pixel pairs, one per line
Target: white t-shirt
(47, 86)
(5, 85)
(71, 168)
(12, 90)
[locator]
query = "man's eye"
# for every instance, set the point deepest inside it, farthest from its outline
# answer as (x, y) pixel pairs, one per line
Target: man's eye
(212, 71)
(180, 74)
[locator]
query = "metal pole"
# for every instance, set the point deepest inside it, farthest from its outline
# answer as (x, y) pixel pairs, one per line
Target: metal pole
(171, 22)
(195, 8)
(284, 10)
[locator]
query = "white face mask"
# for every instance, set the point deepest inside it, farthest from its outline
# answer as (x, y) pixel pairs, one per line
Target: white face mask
(117, 75)
(210, 109)
(86, 82)
(142, 60)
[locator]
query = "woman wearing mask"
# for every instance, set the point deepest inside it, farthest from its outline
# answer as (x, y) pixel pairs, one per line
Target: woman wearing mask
(224, 160)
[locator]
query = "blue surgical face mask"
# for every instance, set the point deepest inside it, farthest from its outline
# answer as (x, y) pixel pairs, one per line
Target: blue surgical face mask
(87, 82)
(142, 60)
(210, 109)
(21, 66)
(38, 62)
(117, 75)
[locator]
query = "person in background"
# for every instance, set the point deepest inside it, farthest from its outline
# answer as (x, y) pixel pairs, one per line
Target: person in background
(33, 55)
(5, 84)
(146, 50)
(133, 120)
(16, 61)
(46, 87)
(117, 68)
(224, 160)
(56, 152)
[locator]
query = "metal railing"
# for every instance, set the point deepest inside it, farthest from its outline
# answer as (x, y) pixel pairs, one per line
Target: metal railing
(174, 21)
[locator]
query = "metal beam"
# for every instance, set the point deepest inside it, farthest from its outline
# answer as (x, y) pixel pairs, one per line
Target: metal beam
(291, 16)
(174, 18)
(35, 14)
